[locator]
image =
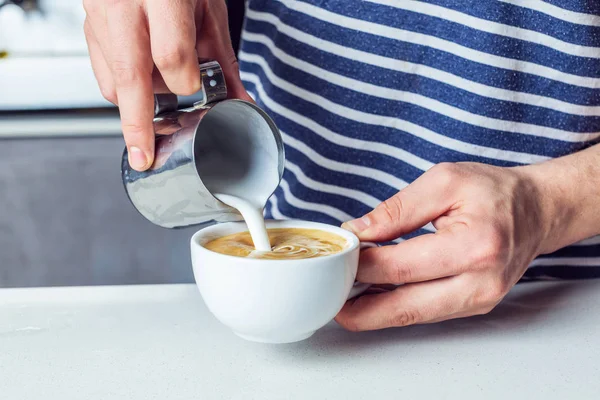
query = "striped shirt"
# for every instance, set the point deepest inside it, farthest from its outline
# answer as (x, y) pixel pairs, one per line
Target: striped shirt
(370, 94)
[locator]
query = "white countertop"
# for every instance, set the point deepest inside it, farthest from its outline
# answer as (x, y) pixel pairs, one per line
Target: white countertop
(147, 342)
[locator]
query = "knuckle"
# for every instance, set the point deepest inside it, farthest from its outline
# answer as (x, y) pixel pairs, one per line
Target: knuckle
(488, 296)
(405, 318)
(392, 208)
(400, 274)
(491, 250)
(124, 73)
(170, 59)
(445, 173)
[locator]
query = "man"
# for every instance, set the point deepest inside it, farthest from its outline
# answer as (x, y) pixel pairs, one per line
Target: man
(478, 121)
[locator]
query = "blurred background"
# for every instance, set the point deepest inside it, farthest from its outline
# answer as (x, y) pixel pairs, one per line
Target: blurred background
(64, 216)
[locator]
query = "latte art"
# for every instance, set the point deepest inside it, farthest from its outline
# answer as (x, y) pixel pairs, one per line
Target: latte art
(297, 246)
(287, 244)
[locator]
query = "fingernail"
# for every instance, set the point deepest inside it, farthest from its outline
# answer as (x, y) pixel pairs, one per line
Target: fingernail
(137, 158)
(358, 225)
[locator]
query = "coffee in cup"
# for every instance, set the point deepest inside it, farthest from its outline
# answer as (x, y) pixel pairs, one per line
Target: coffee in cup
(287, 244)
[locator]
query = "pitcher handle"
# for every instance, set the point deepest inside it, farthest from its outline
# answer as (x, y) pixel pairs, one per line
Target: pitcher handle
(214, 89)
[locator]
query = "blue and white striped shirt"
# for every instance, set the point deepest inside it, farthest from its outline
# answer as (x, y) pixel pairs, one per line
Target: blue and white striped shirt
(370, 94)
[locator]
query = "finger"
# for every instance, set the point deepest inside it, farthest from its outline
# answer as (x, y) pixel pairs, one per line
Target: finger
(158, 83)
(131, 66)
(423, 258)
(411, 304)
(99, 65)
(428, 197)
(173, 43)
(214, 43)
(96, 22)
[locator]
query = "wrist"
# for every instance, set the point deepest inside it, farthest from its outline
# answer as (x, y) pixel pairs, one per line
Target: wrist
(553, 202)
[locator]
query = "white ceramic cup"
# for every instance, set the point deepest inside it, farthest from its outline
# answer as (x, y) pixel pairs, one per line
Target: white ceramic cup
(275, 301)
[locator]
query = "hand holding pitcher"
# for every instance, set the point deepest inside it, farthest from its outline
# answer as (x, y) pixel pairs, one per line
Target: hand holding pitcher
(141, 47)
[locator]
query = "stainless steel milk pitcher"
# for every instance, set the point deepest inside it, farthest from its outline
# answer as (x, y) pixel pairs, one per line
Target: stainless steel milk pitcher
(214, 146)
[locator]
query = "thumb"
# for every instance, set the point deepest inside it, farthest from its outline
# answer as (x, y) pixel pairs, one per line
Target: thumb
(421, 202)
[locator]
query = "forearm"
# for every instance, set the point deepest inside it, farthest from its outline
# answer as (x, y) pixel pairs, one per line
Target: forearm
(569, 189)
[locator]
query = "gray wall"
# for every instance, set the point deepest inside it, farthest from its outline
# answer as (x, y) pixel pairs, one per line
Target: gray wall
(65, 219)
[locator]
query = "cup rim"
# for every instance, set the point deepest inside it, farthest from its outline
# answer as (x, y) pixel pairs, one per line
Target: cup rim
(352, 239)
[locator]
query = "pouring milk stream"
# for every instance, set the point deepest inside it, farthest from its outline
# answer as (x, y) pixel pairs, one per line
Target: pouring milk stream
(253, 215)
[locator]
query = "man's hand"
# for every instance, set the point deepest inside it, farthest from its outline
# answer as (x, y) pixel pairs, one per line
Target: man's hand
(139, 47)
(491, 223)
